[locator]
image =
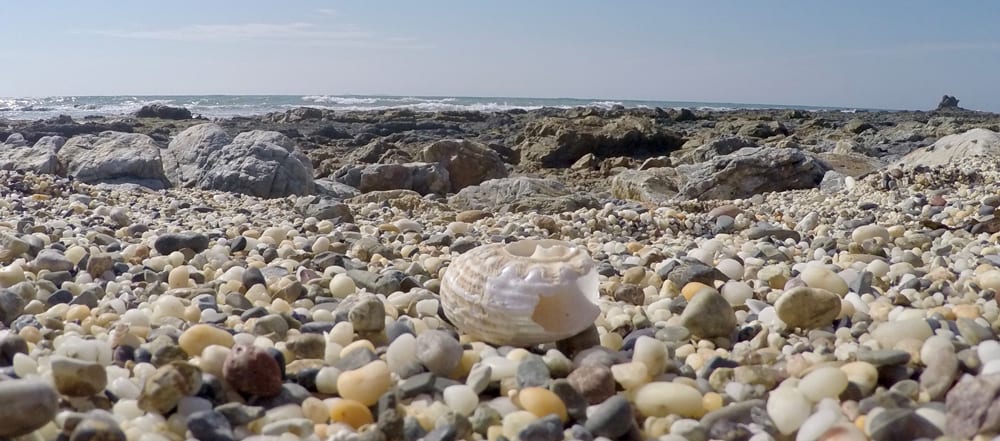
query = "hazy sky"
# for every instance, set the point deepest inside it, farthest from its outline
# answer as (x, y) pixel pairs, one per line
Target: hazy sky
(882, 54)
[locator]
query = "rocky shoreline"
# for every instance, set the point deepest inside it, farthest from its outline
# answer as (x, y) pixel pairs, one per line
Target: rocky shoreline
(762, 275)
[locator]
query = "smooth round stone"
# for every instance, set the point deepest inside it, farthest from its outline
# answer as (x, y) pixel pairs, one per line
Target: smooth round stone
(350, 412)
(326, 380)
(788, 409)
(195, 339)
(541, 402)
(692, 288)
(78, 378)
(990, 280)
(439, 352)
(210, 425)
(652, 353)
(631, 375)
(514, 422)
(988, 350)
(807, 308)
(366, 384)
(178, 277)
(825, 382)
(731, 268)
(736, 293)
(822, 278)
(252, 371)
(97, 429)
(867, 232)
(461, 399)
(341, 285)
(709, 315)
(27, 406)
(888, 334)
(659, 399)
(862, 374)
(817, 424)
(402, 353)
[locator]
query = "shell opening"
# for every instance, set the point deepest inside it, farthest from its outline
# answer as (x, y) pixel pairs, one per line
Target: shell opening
(561, 311)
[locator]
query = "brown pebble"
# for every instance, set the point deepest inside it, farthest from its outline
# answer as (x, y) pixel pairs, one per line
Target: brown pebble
(252, 371)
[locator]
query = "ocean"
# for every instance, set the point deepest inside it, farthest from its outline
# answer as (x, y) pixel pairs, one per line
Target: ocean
(221, 106)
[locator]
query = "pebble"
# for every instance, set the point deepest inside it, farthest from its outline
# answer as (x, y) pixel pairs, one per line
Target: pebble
(210, 425)
(788, 409)
(808, 308)
(171, 242)
(167, 385)
(28, 405)
(366, 384)
(659, 399)
(438, 351)
(613, 418)
(195, 339)
(825, 382)
(541, 402)
(252, 371)
(709, 315)
(97, 429)
(595, 382)
(78, 378)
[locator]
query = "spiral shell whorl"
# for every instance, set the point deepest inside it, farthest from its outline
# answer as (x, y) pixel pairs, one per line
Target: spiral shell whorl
(523, 293)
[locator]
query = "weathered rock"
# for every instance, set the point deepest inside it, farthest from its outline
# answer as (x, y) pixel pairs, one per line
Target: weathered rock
(973, 406)
(559, 142)
(114, 157)
(259, 163)
(323, 208)
(333, 189)
(751, 171)
(191, 151)
(716, 147)
(709, 315)
(163, 111)
(421, 177)
(654, 185)
(40, 158)
(521, 194)
(468, 163)
(949, 149)
(948, 102)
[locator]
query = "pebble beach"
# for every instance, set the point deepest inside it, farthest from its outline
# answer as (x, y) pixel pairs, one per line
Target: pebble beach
(858, 305)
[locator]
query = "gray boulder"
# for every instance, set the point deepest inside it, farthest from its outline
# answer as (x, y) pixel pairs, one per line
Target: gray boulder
(258, 163)
(421, 177)
(520, 194)
(716, 147)
(40, 158)
(336, 190)
(163, 111)
(114, 157)
(190, 153)
(750, 171)
(975, 142)
(654, 185)
(16, 140)
(468, 163)
(323, 208)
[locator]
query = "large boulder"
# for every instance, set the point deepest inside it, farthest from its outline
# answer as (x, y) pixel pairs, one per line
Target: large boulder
(468, 163)
(40, 158)
(114, 157)
(421, 177)
(975, 142)
(750, 171)
(163, 111)
(716, 147)
(521, 194)
(948, 102)
(559, 142)
(655, 185)
(259, 163)
(191, 152)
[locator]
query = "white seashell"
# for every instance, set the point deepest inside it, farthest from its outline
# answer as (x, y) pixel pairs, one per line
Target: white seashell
(521, 293)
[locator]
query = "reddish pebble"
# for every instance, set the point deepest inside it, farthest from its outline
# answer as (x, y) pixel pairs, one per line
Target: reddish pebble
(252, 371)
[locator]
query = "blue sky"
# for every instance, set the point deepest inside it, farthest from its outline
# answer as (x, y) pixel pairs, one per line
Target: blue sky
(883, 54)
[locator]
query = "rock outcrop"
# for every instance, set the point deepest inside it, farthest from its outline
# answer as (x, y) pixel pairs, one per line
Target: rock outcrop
(421, 177)
(40, 158)
(468, 163)
(519, 194)
(559, 142)
(750, 171)
(114, 157)
(975, 142)
(163, 111)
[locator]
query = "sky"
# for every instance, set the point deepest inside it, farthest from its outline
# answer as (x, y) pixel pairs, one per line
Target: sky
(889, 54)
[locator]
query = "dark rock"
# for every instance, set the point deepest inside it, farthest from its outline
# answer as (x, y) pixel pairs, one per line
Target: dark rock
(252, 371)
(163, 111)
(171, 242)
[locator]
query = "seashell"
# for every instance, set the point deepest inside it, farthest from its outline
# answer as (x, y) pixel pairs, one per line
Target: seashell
(522, 293)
